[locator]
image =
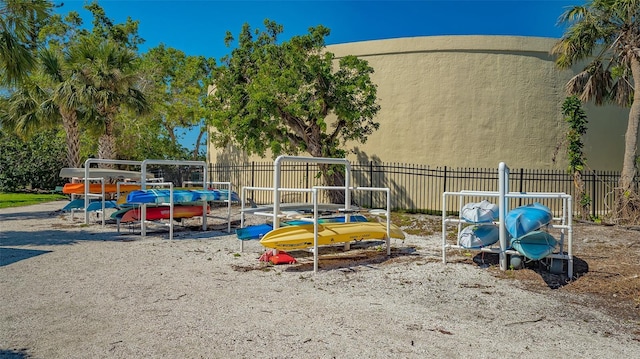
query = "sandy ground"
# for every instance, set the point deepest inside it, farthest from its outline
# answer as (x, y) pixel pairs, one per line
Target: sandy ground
(68, 290)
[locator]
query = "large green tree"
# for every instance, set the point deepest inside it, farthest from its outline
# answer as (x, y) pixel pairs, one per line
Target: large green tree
(176, 87)
(62, 90)
(19, 24)
(292, 96)
(606, 33)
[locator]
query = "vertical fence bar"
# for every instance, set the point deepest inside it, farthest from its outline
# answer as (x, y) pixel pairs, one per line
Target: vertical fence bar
(370, 184)
(593, 195)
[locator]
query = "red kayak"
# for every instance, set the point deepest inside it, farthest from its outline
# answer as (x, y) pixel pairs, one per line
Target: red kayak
(163, 212)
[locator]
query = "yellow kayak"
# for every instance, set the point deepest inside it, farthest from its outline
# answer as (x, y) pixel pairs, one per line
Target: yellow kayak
(301, 236)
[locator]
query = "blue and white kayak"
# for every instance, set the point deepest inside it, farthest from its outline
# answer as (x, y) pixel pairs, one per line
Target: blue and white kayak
(535, 245)
(259, 230)
(522, 220)
(480, 212)
(94, 205)
(476, 237)
(179, 195)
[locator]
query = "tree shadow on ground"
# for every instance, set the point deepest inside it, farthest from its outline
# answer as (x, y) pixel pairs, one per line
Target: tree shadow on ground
(14, 354)
(13, 255)
(541, 268)
(361, 254)
(27, 215)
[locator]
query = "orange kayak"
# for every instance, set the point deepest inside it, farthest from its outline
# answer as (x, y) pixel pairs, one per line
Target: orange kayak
(78, 188)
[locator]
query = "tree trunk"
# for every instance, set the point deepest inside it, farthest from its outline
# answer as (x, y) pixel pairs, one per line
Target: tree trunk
(196, 150)
(107, 144)
(628, 202)
(333, 176)
(70, 124)
(582, 201)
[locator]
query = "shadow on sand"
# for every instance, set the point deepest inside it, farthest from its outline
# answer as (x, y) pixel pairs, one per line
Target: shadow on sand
(14, 354)
(541, 267)
(362, 254)
(12, 255)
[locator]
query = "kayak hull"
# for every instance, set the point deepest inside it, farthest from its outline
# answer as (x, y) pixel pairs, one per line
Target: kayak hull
(525, 219)
(259, 230)
(161, 212)
(302, 236)
(535, 245)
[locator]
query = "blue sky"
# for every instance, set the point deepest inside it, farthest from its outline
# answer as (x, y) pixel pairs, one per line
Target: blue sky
(199, 27)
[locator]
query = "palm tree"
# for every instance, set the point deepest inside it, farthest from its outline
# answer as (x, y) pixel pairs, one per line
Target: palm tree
(64, 100)
(105, 77)
(46, 99)
(19, 20)
(607, 34)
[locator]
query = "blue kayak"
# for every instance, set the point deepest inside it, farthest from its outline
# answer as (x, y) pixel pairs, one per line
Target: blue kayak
(179, 196)
(94, 205)
(476, 237)
(522, 220)
(259, 230)
(535, 245)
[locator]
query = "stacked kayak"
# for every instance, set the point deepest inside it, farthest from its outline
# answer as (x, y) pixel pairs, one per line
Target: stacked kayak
(302, 236)
(179, 196)
(159, 212)
(523, 224)
(259, 230)
(476, 237)
(480, 212)
(524, 219)
(535, 245)
(94, 205)
(484, 232)
(78, 188)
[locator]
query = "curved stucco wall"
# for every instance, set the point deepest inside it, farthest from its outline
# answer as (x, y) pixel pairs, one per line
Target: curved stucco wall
(475, 101)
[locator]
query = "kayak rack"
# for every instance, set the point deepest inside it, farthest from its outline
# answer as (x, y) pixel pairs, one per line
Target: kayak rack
(228, 201)
(563, 223)
(275, 212)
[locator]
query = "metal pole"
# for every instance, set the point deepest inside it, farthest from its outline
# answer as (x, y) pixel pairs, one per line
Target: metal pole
(503, 175)
(277, 178)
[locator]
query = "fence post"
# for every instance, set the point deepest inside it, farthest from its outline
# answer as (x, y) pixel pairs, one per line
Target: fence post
(521, 186)
(445, 180)
(370, 184)
(306, 195)
(593, 194)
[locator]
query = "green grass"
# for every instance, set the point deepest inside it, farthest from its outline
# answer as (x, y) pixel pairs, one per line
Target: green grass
(24, 199)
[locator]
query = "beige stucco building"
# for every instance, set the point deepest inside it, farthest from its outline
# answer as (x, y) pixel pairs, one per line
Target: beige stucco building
(473, 101)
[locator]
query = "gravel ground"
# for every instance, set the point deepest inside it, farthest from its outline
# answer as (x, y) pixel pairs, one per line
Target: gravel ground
(70, 290)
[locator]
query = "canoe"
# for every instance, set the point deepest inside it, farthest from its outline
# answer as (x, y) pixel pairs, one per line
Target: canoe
(94, 205)
(476, 237)
(179, 195)
(259, 230)
(300, 237)
(69, 172)
(535, 245)
(522, 220)
(162, 212)
(78, 188)
(479, 212)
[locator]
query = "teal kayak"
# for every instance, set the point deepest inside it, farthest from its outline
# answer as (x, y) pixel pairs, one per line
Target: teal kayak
(535, 245)
(522, 220)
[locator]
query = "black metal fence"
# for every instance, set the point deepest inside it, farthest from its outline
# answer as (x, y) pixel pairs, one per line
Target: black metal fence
(418, 188)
